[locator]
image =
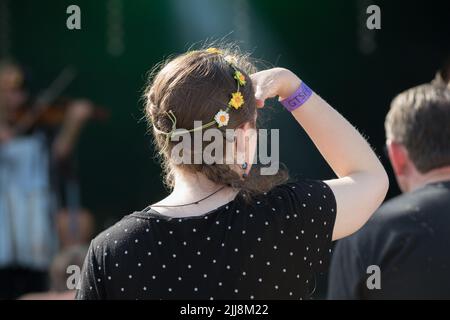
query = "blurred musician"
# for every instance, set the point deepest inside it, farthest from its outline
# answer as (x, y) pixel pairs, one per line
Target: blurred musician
(29, 151)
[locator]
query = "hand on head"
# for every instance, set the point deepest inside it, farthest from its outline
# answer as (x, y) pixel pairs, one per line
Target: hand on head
(273, 82)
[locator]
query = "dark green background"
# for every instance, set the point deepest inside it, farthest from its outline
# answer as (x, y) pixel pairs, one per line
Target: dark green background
(316, 39)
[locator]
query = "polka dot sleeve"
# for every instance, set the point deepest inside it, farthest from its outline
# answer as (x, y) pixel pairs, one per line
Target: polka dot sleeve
(314, 203)
(90, 286)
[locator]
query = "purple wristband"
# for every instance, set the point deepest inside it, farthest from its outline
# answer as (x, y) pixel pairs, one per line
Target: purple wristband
(298, 98)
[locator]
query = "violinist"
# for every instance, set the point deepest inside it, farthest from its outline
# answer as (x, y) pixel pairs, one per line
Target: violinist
(29, 151)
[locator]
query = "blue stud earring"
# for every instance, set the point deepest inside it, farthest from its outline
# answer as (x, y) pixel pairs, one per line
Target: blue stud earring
(244, 166)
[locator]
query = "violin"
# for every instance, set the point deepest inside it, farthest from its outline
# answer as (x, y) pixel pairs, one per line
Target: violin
(48, 109)
(52, 115)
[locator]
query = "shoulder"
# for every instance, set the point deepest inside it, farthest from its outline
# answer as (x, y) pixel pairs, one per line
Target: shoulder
(302, 184)
(393, 220)
(306, 195)
(397, 211)
(305, 189)
(120, 234)
(307, 206)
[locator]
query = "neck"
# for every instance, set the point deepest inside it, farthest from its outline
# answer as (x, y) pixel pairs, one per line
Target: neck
(193, 182)
(190, 188)
(435, 175)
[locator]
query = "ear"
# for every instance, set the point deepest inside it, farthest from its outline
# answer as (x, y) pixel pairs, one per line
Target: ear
(245, 134)
(398, 155)
(242, 136)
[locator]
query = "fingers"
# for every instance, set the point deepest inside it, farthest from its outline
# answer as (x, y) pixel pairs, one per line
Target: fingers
(264, 86)
(259, 103)
(259, 93)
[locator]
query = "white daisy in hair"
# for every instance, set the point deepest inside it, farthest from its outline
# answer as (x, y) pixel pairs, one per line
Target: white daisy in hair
(222, 117)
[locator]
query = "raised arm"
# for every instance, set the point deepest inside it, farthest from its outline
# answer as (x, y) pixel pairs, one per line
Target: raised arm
(78, 113)
(362, 181)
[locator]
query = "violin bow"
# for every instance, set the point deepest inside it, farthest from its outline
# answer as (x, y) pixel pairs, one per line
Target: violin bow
(48, 95)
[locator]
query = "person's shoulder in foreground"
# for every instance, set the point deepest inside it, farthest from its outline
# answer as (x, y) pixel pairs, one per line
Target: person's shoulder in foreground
(404, 243)
(112, 242)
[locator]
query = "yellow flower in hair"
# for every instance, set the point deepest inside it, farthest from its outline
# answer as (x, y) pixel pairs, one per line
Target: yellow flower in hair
(240, 78)
(222, 117)
(237, 100)
(214, 50)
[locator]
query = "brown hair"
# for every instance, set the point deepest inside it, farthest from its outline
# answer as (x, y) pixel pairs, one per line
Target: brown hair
(419, 119)
(195, 86)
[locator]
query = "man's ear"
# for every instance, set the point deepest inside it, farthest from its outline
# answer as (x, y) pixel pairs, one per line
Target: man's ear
(398, 155)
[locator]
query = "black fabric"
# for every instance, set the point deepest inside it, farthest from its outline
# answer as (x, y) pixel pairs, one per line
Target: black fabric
(408, 238)
(268, 248)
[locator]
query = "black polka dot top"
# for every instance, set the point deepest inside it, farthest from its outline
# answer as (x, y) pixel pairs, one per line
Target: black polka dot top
(268, 248)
